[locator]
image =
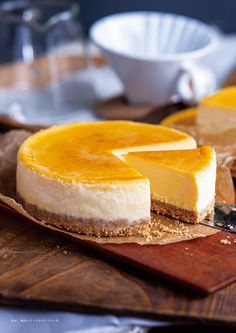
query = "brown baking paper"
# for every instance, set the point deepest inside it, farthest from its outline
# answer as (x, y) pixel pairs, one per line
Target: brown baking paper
(162, 230)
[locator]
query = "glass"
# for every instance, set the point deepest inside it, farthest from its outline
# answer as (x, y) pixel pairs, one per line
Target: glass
(42, 50)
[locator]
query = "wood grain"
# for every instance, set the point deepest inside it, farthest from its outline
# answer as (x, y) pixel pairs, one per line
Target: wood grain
(203, 264)
(39, 268)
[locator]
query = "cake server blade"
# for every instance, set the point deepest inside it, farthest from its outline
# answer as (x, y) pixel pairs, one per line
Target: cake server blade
(224, 218)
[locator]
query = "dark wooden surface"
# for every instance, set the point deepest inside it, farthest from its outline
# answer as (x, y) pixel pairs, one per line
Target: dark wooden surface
(203, 265)
(39, 268)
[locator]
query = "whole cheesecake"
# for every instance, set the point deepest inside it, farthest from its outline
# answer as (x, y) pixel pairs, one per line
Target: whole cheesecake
(77, 176)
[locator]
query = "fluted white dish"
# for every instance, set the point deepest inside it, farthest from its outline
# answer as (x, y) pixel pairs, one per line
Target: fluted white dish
(156, 55)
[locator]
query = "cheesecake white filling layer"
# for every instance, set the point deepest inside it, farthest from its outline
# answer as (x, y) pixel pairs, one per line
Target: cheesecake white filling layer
(206, 180)
(192, 191)
(129, 201)
(196, 192)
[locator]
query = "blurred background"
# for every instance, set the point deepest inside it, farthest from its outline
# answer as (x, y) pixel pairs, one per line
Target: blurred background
(50, 72)
(220, 13)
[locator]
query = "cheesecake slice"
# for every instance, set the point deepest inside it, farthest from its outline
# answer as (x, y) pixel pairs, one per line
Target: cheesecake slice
(75, 177)
(182, 182)
(216, 117)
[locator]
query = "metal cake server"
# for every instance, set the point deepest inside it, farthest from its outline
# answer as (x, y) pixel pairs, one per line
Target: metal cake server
(224, 218)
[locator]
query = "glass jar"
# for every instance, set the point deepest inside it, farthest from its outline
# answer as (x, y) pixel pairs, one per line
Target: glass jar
(42, 52)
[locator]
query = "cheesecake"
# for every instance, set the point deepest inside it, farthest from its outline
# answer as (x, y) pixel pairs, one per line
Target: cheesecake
(182, 182)
(80, 177)
(216, 117)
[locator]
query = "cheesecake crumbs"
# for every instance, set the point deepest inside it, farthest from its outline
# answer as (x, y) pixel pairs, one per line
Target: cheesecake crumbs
(225, 241)
(65, 252)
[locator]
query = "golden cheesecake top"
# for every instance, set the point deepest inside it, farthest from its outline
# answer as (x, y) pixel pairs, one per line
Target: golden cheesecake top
(225, 98)
(86, 152)
(191, 161)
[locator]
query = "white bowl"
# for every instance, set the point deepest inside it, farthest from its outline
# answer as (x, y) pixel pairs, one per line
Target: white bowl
(130, 41)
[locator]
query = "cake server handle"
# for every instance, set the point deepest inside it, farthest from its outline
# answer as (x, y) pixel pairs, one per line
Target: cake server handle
(224, 218)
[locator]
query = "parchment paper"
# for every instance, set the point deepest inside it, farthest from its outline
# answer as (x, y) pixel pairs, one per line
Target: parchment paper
(162, 230)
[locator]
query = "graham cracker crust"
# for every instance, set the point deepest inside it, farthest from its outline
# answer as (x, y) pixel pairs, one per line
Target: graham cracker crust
(88, 227)
(121, 227)
(182, 214)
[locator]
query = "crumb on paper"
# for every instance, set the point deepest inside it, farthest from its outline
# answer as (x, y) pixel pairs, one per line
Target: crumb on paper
(65, 252)
(186, 248)
(225, 241)
(58, 246)
(4, 256)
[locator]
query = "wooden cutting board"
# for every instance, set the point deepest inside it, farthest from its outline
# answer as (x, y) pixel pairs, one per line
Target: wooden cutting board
(203, 265)
(39, 268)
